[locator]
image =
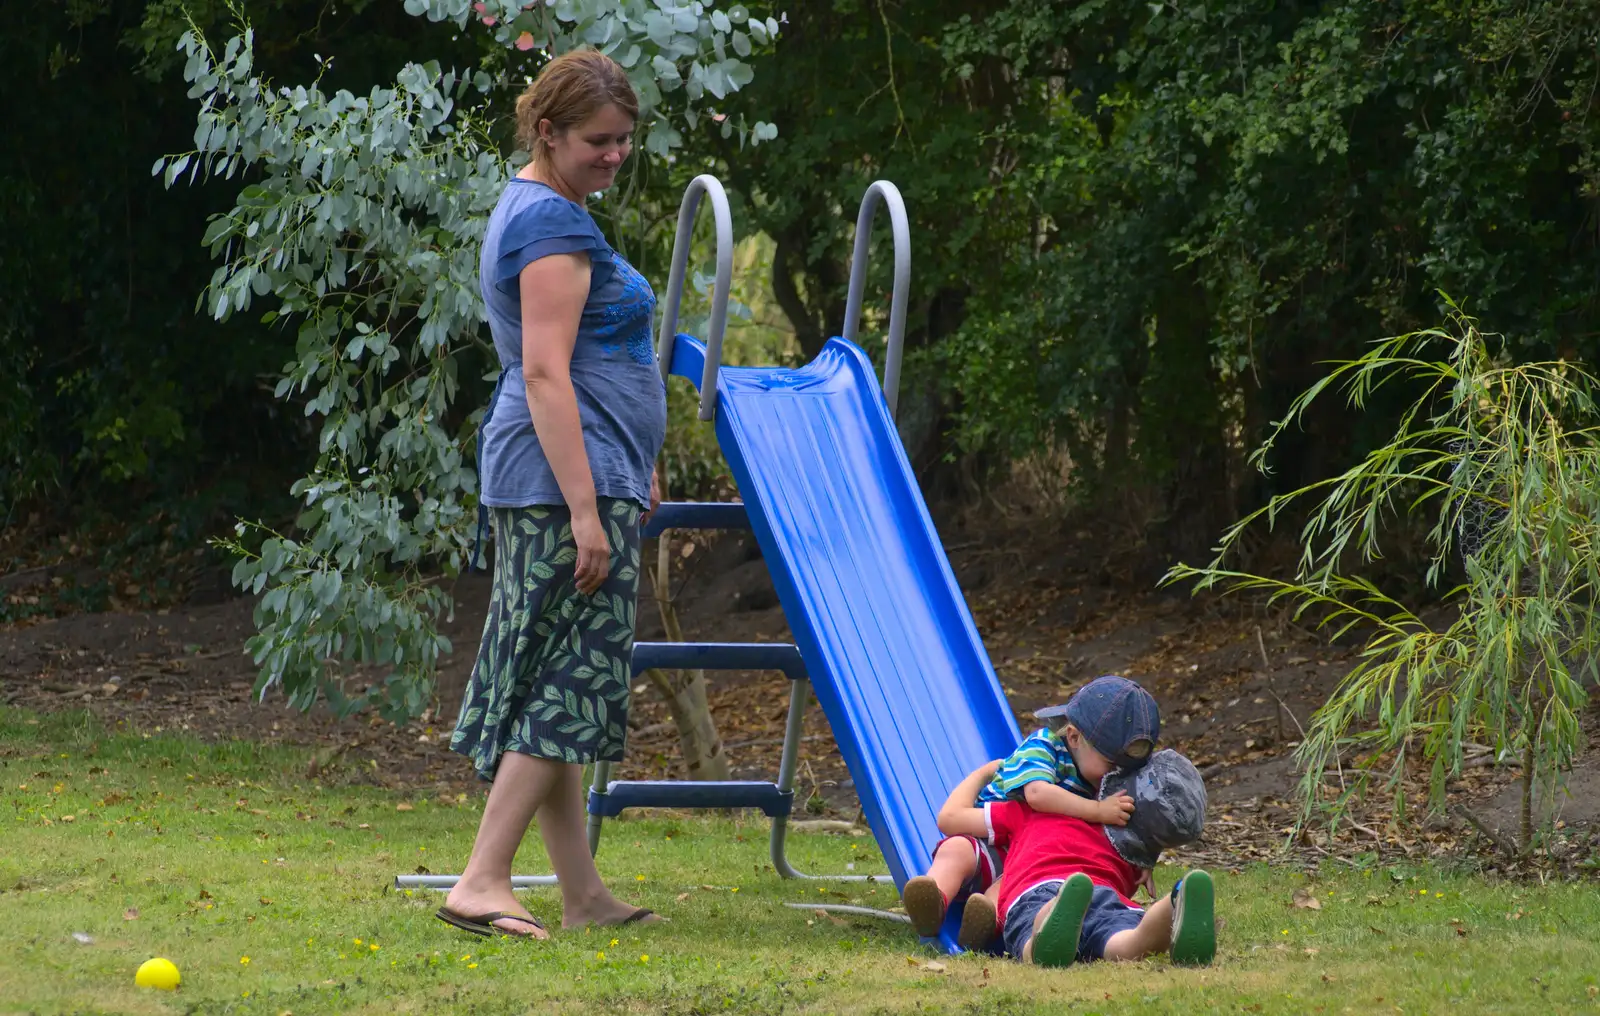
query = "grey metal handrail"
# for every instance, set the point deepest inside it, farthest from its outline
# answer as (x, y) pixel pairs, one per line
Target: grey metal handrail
(887, 193)
(705, 183)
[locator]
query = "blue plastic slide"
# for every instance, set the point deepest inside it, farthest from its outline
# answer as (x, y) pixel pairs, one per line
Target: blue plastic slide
(888, 641)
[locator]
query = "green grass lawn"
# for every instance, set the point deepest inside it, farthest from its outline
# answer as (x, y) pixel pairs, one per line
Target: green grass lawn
(273, 896)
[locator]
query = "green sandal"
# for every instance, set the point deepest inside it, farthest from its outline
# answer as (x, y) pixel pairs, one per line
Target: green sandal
(1194, 926)
(1056, 944)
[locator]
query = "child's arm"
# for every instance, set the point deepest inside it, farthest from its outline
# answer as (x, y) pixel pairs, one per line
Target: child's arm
(958, 816)
(1043, 795)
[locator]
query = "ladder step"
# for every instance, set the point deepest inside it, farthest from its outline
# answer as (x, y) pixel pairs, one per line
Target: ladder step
(779, 656)
(696, 515)
(620, 794)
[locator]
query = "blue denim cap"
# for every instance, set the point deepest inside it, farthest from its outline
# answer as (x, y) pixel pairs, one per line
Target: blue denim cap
(1169, 807)
(1117, 717)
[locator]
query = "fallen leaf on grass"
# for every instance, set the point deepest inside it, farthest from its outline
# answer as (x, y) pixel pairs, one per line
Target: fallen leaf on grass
(682, 897)
(405, 806)
(1311, 951)
(131, 914)
(1303, 900)
(265, 902)
(932, 966)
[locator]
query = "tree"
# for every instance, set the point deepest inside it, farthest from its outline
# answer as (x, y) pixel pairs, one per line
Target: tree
(361, 226)
(1502, 460)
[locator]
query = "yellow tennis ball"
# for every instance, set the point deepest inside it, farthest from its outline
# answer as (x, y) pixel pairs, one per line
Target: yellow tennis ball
(157, 973)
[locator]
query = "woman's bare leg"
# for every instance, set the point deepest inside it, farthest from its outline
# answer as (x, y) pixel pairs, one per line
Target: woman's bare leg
(563, 824)
(522, 783)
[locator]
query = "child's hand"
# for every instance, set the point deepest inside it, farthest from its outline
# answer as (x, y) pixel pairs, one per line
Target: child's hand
(1115, 810)
(1148, 883)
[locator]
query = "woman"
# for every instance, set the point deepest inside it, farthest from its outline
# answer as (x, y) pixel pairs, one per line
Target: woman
(569, 442)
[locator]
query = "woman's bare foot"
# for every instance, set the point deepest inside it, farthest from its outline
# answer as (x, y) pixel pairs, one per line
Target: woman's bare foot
(467, 903)
(607, 911)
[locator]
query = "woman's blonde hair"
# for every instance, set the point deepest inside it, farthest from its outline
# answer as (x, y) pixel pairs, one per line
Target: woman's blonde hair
(569, 90)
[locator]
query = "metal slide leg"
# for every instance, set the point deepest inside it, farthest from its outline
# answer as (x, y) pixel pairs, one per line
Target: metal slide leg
(444, 882)
(799, 692)
(602, 778)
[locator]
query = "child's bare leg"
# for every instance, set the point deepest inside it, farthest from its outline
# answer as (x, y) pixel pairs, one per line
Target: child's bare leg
(953, 863)
(993, 892)
(1153, 935)
(926, 897)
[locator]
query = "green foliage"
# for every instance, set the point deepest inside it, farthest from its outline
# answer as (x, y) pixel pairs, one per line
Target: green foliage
(664, 46)
(1226, 193)
(1503, 461)
(362, 228)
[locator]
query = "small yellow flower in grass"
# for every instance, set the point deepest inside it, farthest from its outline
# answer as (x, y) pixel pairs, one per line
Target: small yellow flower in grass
(472, 966)
(357, 941)
(600, 955)
(467, 957)
(638, 878)
(613, 943)
(1422, 892)
(1439, 895)
(1285, 931)
(644, 958)
(244, 961)
(734, 889)
(374, 947)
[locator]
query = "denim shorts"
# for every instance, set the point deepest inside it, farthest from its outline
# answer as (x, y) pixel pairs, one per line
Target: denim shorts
(1106, 916)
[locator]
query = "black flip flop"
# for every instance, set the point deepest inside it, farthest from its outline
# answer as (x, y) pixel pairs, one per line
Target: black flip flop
(639, 915)
(484, 924)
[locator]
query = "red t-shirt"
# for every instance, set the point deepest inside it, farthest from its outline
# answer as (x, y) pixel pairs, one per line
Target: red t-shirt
(1041, 846)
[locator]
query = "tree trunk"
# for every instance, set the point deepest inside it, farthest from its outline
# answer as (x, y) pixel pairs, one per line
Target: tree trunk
(685, 690)
(1526, 846)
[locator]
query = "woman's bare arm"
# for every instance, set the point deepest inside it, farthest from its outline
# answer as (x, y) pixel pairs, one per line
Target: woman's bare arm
(554, 290)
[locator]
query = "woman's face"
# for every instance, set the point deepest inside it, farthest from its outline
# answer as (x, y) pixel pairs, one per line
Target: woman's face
(587, 156)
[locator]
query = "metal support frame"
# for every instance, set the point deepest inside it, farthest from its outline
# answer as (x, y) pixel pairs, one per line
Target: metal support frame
(882, 191)
(706, 184)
